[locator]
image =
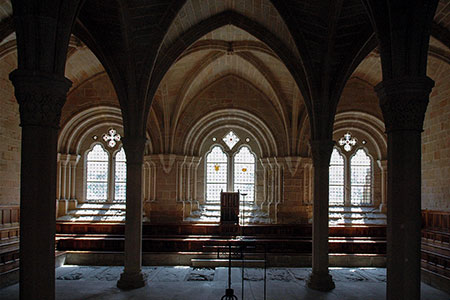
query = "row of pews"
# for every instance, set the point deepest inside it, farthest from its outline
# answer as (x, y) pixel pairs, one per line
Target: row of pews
(9, 245)
(194, 238)
(436, 249)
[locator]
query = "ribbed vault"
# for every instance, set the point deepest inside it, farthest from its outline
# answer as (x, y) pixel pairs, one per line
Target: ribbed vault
(227, 53)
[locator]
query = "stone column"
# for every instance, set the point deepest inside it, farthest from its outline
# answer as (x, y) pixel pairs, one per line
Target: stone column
(320, 279)
(347, 181)
(403, 102)
(41, 97)
(383, 167)
(132, 277)
(73, 169)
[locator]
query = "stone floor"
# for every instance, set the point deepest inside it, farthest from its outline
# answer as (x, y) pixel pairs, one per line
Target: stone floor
(90, 282)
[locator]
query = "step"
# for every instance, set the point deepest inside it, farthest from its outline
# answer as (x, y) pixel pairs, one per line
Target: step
(7, 232)
(356, 215)
(436, 259)
(96, 212)
(436, 248)
(338, 208)
(9, 271)
(216, 220)
(435, 279)
(10, 245)
(437, 269)
(436, 236)
(107, 206)
(222, 262)
(9, 265)
(198, 243)
(265, 230)
(111, 219)
(247, 214)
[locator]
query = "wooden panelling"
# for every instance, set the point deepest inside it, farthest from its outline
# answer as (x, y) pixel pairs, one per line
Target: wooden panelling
(436, 245)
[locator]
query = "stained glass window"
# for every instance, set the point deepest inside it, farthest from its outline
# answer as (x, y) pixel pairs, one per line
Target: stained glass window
(120, 176)
(244, 173)
(336, 178)
(97, 162)
(361, 178)
(231, 139)
(216, 173)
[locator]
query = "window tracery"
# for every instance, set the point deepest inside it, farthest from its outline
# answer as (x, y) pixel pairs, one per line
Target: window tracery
(105, 175)
(97, 166)
(350, 180)
(347, 141)
(230, 170)
(361, 178)
(336, 178)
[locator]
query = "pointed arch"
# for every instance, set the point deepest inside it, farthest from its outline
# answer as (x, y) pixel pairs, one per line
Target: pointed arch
(216, 166)
(97, 170)
(337, 178)
(361, 174)
(120, 175)
(244, 172)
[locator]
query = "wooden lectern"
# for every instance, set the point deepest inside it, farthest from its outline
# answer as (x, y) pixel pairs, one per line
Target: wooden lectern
(229, 207)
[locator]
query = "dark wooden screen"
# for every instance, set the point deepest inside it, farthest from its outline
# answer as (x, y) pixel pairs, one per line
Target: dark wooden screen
(229, 207)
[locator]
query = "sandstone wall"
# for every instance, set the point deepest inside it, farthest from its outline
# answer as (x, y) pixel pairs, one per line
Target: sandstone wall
(10, 135)
(436, 140)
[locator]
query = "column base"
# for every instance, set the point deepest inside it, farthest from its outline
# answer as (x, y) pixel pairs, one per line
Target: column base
(73, 204)
(129, 281)
(383, 208)
(61, 208)
(321, 282)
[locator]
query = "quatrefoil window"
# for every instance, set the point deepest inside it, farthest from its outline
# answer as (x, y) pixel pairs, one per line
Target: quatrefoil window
(347, 141)
(111, 138)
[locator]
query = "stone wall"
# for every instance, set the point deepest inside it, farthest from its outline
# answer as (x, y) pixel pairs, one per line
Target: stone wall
(173, 183)
(97, 91)
(436, 140)
(10, 135)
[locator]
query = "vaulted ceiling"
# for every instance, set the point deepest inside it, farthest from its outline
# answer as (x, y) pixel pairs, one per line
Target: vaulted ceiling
(298, 53)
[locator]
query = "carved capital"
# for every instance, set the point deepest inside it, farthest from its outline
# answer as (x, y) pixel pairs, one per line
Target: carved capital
(134, 148)
(404, 102)
(321, 152)
(41, 97)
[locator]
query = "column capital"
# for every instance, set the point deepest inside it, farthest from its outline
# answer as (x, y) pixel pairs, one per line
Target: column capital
(134, 148)
(41, 97)
(404, 101)
(321, 152)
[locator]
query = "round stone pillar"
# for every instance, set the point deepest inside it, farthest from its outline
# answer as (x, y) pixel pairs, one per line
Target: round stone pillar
(320, 279)
(132, 277)
(403, 103)
(41, 97)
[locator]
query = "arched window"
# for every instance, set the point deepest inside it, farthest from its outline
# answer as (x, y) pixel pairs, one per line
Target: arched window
(97, 170)
(244, 172)
(230, 166)
(361, 178)
(120, 176)
(336, 178)
(216, 173)
(106, 169)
